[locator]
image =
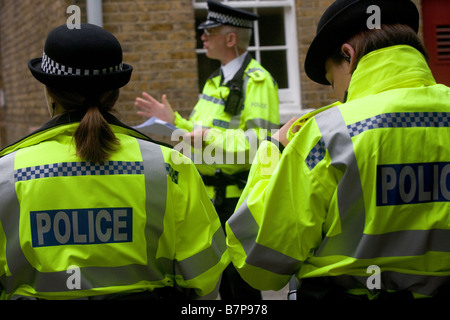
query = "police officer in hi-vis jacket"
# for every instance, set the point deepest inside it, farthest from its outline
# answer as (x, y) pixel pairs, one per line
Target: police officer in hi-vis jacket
(237, 108)
(91, 208)
(357, 205)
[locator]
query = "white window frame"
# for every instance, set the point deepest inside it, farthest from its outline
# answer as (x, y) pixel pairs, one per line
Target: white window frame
(290, 102)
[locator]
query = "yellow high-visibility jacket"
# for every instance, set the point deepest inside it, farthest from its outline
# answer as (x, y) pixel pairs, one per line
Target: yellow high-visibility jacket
(137, 222)
(230, 144)
(362, 183)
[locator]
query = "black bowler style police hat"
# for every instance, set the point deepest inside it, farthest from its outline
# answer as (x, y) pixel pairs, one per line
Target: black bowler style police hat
(346, 18)
(220, 14)
(81, 60)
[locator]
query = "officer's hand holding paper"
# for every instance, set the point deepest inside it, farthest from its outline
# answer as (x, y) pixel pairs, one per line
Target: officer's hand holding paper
(155, 125)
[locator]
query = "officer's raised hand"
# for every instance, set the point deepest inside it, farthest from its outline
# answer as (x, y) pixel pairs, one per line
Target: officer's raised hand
(150, 107)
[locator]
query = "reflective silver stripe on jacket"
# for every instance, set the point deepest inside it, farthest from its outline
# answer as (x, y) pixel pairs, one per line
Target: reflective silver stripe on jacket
(212, 99)
(245, 229)
(261, 123)
(188, 268)
(10, 223)
(351, 204)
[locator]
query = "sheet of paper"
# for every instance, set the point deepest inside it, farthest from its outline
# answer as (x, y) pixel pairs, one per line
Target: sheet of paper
(156, 126)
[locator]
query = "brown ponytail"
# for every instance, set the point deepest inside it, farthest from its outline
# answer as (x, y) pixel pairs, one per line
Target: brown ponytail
(94, 139)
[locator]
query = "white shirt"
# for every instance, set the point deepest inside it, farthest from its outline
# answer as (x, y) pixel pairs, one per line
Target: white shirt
(230, 69)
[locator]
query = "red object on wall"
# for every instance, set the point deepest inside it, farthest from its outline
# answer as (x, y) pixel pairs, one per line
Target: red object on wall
(436, 33)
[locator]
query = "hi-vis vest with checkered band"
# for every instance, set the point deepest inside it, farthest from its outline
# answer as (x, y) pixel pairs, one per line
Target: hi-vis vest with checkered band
(234, 134)
(364, 183)
(71, 229)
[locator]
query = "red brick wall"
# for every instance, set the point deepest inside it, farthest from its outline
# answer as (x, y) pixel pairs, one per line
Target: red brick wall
(308, 15)
(24, 26)
(158, 39)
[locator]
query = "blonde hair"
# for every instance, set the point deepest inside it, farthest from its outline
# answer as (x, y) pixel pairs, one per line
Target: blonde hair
(243, 36)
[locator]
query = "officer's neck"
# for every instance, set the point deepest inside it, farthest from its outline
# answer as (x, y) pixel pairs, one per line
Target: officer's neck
(55, 110)
(231, 55)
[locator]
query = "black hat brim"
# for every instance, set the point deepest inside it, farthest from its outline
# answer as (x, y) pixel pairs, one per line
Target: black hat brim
(209, 24)
(348, 22)
(81, 83)
(220, 8)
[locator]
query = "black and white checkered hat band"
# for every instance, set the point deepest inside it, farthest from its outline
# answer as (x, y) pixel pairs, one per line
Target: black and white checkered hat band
(226, 19)
(52, 67)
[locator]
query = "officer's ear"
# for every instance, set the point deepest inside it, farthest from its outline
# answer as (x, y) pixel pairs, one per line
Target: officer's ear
(231, 39)
(348, 51)
(51, 105)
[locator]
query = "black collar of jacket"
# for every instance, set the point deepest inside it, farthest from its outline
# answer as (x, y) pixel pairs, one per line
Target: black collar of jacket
(239, 75)
(73, 117)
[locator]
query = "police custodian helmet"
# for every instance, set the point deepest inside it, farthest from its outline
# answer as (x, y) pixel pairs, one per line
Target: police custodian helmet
(220, 14)
(89, 58)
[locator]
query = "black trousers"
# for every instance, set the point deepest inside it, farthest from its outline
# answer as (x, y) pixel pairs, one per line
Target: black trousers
(233, 287)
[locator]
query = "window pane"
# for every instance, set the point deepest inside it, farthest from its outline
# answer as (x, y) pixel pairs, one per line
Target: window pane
(252, 40)
(271, 27)
(206, 67)
(200, 16)
(276, 63)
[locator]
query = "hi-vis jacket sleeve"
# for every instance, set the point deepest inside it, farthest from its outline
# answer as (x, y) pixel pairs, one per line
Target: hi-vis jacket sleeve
(279, 218)
(183, 123)
(200, 248)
